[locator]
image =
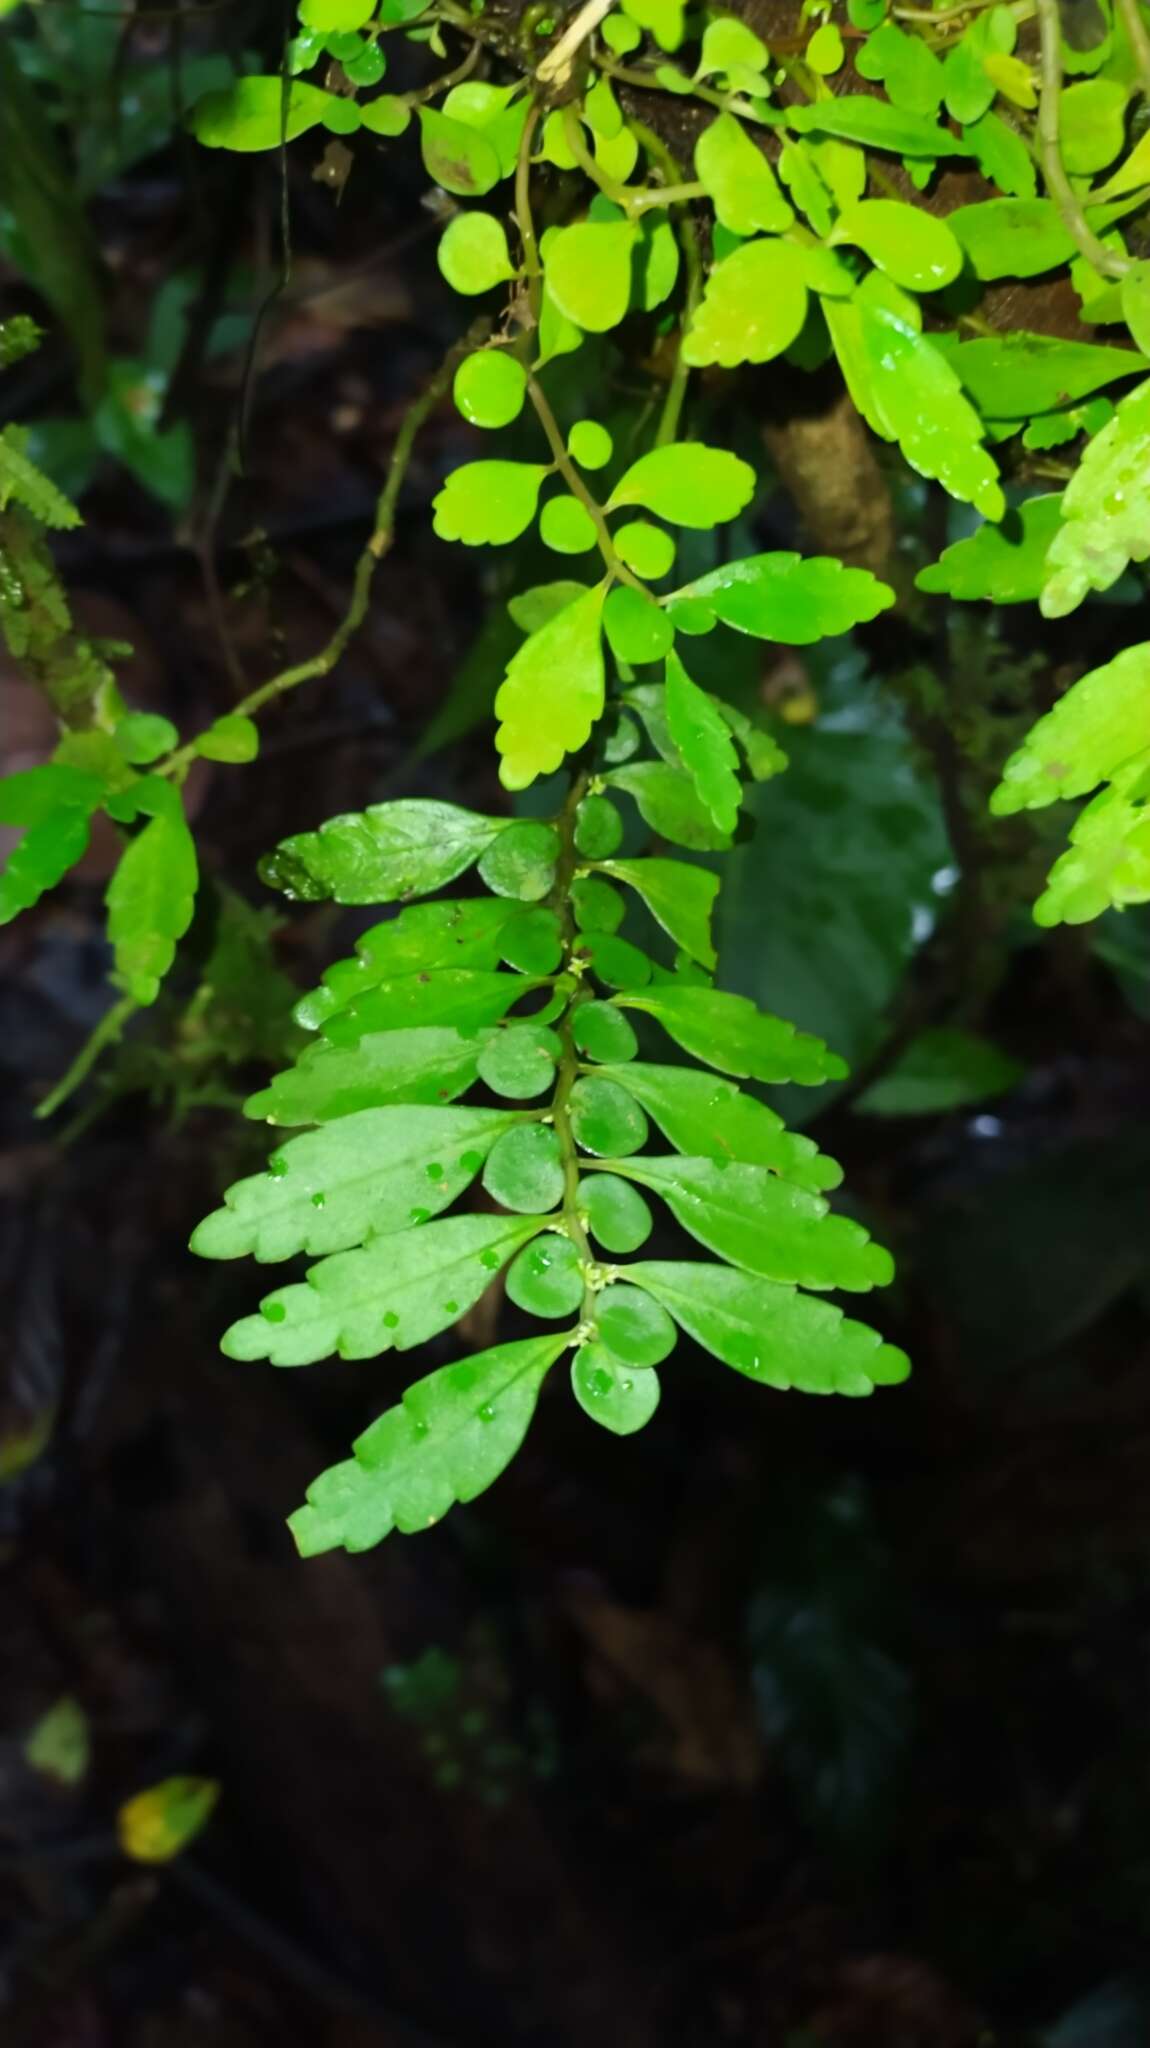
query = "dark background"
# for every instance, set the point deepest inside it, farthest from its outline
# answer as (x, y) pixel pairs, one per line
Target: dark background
(787, 1722)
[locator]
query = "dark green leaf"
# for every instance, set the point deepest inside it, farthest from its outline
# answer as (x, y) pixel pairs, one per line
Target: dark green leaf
(715, 1120)
(766, 1225)
(703, 737)
(615, 1212)
(772, 1334)
(1003, 563)
(940, 1070)
(670, 804)
(525, 1169)
(380, 855)
(728, 1032)
(606, 1119)
(679, 896)
(547, 1277)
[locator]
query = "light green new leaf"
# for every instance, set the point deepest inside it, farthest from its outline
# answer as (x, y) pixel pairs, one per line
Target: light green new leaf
(1002, 156)
(1101, 723)
(877, 126)
(714, 1119)
(552, 693)
(331, 16)
(687, 484)
(794, 598)
(379, 1171)
(255, 113)
(1107, 864)
(1135, 291)
(679, 896)
(729, 45)
(1091, 124)
(729, 1032)
(669, 803)
(588, 272)
(1105, 510)
(424, 937)
(151, 897)
(473, 256)
(917, 400)
(452, 1435)
(753, 307)
(772, 1334)
(457, 156)
(911, 72)
(1003, 563)
(426, 1064)
(739, 180)
(620, 1397)
(1131, 175)
(703, 737)
(1012, 376)
(49, 847)
(913, 247)
(390, 1295)
(389, 851)
(21, 482)
(488, 503)
(764, 1224)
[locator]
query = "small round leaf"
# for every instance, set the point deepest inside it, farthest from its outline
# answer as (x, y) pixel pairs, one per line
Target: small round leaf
(616, 1213)
(597, 906)
(637, 628)
(368, 66)
(603, 1033)
(521, 862)
(533, 943)
(489, 387)
(598, 828)
(546, 1279)
(473, 256)
(590, 445)
(605, 1119)
(616, 961)
(645, 548)
(634, 1326)
(566, 526)
(611, 1393)
(519, 1061)
(524, 1170)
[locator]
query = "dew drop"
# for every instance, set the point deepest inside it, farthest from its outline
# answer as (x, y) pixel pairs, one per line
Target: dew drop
(491, 1260)
(318, 1200)
(451, 1308)
(390, 1319)
(277, 1166)
(471, 1162)
(420, 1429)
(628, 1386)
(434, 1171)
(273, 1311)
(418, 1215)
(487, 1412)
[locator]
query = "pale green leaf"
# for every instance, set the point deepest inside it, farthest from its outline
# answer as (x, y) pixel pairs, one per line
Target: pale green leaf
(465, 998)
(679, 896)
(687, 484)
(1017, 237)
(389, 851)
(663, 19)
(1091, 124)
(729, 1032)
(1107, 864)
(552, 693)
(329, 16)
(150, 899)
(1003, 563)
(451, 1436)
(488, 503)
(378, 1171)
(729, 45)
(618, 1396)
(788, 597)
(764, 1224)
(232, 738)
(772, 1334)
(256, 113)
(739, 180)
(1101, 723)
(426, 1064)
(473, 256)
(1135, 289)
(390, 1295)
(913, 247)
(714, 1119)
(422, 938)
(1002, 157)
(1105, 510)
(753, 306)
(638, 630)
(1131, 175)
(917, 400)
(460, 158)
(911, 72)
(490, 387)
(588, 272)
(1014, 375)
(703, 738)
(877, 126)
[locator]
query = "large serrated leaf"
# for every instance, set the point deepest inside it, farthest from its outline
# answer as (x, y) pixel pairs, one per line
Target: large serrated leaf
(383, 854)
(764, 1224)
(464, 997)
(753, 307)
(452, 1435)
(388, 1296)
(552, 692)
(1101, 723)
(428, 1065)
(422, 938)
(362, 1176)
(1107, 864)
(1003, 563)
(788, 597)
(151, 897)
(1105, 510)
(730, 1033)
(712, 1118)
(774, 1335)
(679, 896)
(703, 737)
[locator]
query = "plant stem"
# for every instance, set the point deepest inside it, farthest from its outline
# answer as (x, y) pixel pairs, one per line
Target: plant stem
(633, 200)
(559, 62)
(728, 102)
(1107, 262)
(107, 1032)
(532, 267)
(376, 546)
(577, 487)
(677, 388)
(568, 1068)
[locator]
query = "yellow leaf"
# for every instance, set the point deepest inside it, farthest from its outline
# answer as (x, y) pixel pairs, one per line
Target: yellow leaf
(1013, 78)
(155, 1825)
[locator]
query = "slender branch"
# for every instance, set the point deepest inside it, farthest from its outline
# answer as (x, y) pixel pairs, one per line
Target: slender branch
(577, 487)
(1106, 261)
(107, 1032)
(558, 64)
(1138, 39)
(677, 388)
(445, 79)
(532, 267)
(567, 1072)
(377, 545)
(729, 102)
(633, 200)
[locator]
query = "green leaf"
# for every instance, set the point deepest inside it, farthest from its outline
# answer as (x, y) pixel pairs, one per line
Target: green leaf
(670, 804)
(547, 1277)
(1105, 510)
(911, 72)
(256, 113)
(753, 307)
(525, 1169)
(602, 1032)
(728, 1032)
(1135, 289)
(1130, 175)
(425, 1064)
(519, 1061)
(715, 1120)
(598, 827)
(473, 256)
(460, 158)
(383, 854)
(32, 795)
(376, 1172)
(940, 1070)
(645, 548)
(1091, 125)
(914, 397)
(662, 18)
(23, 484)
(772, 1334)
(826, 51)
(1016, 237)
(391, 1295)
(588, 272)
(729, 45)
(1002, 157)
(566, 526)
(1101, 723)
(703, 738)
(50, 846)
(521, 862)
(385, 115)
(620, 1397)
(616, 962)
(127, 425)
(327, 16)
(41, 202)
(452, 1435)
(606, 1119)
(151, 897)
(1002, 563)
(1015, 375)
(1107, 864)
(637, 630)
(911, 246)
(739, 180)
(687, 484)
(616, 1214)
(679, 896)
(421, 938)
(552, 693)
(634, 1326)
(462, 997)
(233, 738)
(1054, 429)
(764, 1224)
(788, 597)
(488, 503)
(877, 126)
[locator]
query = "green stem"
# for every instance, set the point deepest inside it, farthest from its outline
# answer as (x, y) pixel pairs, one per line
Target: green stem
(375, 548)
(728, 102)
(532, 268)
(107, 1032)
(1105, 261)
(680, 376)
(577, 487)
(634, 201)
(568, 1068)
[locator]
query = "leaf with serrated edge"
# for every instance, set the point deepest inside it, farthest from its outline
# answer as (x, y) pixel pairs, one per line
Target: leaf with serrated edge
(1105, 510)
(679, 896)
(451, 1436)
(1107, 864)
(687, 484)
(464, 997)
(730, 1033)
(487, 504)
(424, 937)
(150, 900)
(701, 1114)
(373, 1173)
(1102, 722)
(390, 1295)
(432, 1064)
(753, 307)
(1004, 563)
(703, 738)
(669, 803)
(919, 400)
(774, 1335)
(764, 1224)
(788, 597)
(552, 692)
(389, 851)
